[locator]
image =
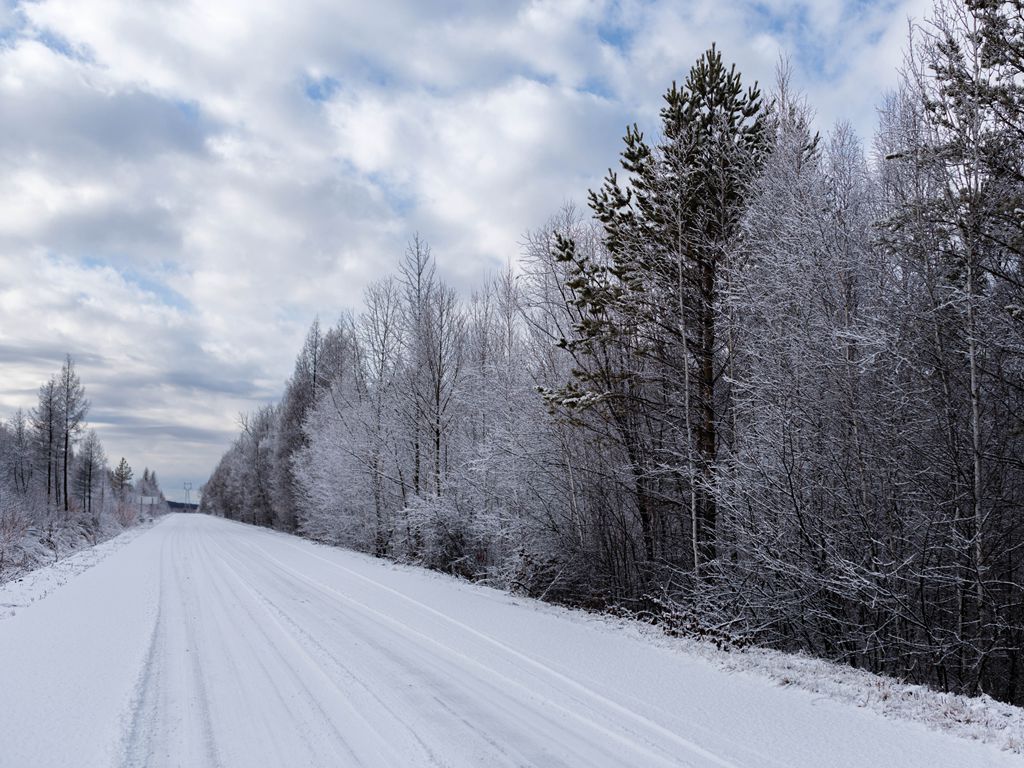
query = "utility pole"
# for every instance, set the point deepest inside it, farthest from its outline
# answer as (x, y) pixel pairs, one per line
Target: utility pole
(188, 494)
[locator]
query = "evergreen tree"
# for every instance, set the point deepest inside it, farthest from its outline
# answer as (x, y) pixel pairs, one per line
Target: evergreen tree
(121, 478)
(654, 293)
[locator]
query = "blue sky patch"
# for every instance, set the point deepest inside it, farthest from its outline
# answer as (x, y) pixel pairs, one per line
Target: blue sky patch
(146, 281)
(321, 88)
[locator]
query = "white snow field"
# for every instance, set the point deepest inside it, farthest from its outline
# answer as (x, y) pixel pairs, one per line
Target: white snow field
(203, 642)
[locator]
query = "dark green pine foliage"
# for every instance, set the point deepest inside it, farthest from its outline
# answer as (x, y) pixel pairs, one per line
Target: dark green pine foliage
(647, 352)
(1000, 27)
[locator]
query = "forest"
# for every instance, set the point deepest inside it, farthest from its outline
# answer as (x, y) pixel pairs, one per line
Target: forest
(58, 492)
(767, 389)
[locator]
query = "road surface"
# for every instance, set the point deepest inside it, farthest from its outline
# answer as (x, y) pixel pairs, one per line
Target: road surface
(209, 643)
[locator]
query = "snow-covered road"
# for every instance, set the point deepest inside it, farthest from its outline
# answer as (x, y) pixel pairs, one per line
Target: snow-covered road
(208, 643)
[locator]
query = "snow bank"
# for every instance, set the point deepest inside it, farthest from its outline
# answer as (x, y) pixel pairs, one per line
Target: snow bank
(22, 585)
(980, 718)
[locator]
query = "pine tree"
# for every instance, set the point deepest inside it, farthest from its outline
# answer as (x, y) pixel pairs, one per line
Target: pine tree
(121, 478)
(655, 293)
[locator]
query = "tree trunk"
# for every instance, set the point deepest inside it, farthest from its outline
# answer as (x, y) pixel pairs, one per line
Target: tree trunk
(707, 437)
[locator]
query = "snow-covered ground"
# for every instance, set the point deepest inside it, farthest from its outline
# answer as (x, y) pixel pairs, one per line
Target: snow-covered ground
(21, 589)
(39, 547)
(204, 642)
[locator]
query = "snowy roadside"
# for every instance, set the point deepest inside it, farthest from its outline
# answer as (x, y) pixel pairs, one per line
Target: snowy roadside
(979, 718)
(22, 588)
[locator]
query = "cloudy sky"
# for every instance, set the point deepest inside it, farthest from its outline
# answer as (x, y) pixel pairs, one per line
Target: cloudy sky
(185, 185)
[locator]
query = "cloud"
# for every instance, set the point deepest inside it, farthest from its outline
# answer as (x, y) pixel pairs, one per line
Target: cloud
(187, 183)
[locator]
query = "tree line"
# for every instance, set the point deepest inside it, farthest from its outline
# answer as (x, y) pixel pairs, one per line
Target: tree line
(769, 391)
(54, 474)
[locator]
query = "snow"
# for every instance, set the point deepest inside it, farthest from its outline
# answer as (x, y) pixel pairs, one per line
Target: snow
(974, 717)
(40, 546)
(202, 642)
(27, 586)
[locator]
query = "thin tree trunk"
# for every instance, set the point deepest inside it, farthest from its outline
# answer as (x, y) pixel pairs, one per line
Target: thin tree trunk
(707, 431)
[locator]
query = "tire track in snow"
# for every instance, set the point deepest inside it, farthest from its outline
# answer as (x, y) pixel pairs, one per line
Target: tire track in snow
(759, 758)
(440, 681)
(196, 672)
(440, 678)
(513, 756)
(642, 747)
(150, 729)
(321, 656)
(141, 710)
(348, 753)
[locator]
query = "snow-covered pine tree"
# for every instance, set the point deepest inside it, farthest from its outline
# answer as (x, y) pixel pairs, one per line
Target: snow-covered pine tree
(649, 356)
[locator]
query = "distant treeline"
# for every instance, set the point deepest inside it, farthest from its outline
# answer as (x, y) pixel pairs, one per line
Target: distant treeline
(55, 481)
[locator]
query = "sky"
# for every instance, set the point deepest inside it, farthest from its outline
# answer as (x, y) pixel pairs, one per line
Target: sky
(185, 185)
